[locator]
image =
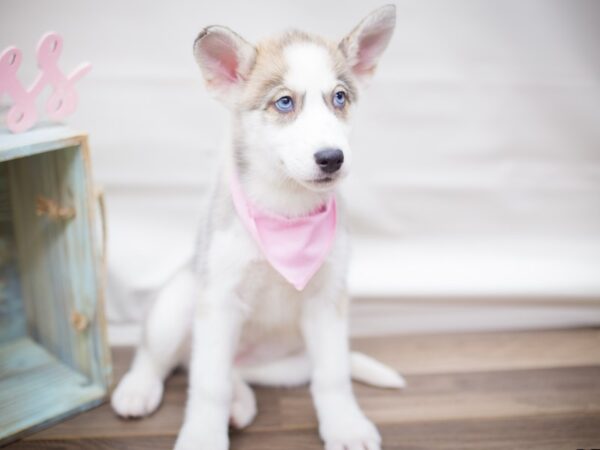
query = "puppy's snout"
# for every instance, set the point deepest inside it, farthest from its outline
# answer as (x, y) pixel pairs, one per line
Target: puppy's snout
(330, 159)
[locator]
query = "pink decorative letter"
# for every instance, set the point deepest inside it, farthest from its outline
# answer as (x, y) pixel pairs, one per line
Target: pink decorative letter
(63, 100)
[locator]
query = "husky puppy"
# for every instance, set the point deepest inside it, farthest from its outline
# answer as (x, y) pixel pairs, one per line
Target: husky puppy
(265, 300)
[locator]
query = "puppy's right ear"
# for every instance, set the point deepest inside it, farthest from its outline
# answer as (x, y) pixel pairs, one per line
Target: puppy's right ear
(225, 59)
(365, 44)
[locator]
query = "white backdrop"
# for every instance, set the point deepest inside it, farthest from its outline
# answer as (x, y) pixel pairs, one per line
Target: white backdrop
(477, 146)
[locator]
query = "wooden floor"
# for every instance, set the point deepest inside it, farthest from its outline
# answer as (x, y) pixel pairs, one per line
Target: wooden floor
(512, 390)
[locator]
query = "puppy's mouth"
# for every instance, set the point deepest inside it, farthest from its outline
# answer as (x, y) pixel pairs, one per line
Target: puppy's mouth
(324, 180)
(322, 183)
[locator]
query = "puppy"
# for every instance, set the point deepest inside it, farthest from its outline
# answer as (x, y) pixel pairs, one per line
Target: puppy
(265, 302)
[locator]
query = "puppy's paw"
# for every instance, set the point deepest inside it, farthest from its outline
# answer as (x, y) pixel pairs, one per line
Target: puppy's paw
(137, 395)
(354, 434)
(354, 445)
(201, 438)
(243, 407)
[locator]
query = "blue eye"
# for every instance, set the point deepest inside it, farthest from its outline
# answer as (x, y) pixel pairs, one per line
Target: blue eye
(285, 104)
(339, 99)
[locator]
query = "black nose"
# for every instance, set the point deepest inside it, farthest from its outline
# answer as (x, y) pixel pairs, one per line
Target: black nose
(329, 160)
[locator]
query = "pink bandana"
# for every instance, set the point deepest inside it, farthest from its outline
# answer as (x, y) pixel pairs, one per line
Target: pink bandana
(295, 247)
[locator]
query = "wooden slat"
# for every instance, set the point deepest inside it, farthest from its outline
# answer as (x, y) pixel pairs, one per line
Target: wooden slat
(36, 388)
(20, 356)
(467, 352)
(455, 396)
(12, 313)
(38, 140)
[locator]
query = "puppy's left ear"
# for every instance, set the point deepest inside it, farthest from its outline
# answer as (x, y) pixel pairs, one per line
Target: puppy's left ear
(365, 44)
(225, 59)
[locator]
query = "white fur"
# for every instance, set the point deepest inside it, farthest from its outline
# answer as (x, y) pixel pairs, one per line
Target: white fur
(317, 127)
(371, 371)
(311, 73)
(244, 321)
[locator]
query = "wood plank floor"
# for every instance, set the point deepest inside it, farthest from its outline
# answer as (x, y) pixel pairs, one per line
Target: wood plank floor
(510, 390)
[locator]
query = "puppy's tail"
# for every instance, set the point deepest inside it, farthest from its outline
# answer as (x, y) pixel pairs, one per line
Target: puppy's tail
(295, 371)
(370, 371)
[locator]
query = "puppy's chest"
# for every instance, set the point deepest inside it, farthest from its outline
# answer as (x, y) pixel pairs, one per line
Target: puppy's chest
(273, 304)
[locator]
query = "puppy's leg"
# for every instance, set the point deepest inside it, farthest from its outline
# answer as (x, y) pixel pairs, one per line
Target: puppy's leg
(243, 406)
(342, 424)
(167, 326)
(216, 330)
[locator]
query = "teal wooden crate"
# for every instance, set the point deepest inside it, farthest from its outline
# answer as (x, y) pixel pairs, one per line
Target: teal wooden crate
(54, 357)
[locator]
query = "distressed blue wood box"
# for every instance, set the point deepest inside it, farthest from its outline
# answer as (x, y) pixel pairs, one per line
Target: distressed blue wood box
(54, 357)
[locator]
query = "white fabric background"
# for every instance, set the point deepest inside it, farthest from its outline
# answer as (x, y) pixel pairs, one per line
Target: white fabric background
(477, 147)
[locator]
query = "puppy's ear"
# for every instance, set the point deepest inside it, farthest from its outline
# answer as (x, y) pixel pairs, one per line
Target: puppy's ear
(225, 59)
(365, 44)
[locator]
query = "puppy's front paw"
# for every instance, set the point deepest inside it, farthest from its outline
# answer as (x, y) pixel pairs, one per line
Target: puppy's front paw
(137, 395)
(201, 438)
(350, 434)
